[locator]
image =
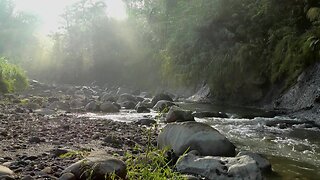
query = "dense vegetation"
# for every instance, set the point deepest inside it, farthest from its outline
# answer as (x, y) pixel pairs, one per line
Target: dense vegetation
(241, 48)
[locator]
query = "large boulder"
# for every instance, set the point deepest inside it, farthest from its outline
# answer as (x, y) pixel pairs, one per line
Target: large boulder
(97, 167)
(109, 107)
(202, 95)
(177, 114)
(187, 136)
(220, 168)
(160, 97)
(162, 105)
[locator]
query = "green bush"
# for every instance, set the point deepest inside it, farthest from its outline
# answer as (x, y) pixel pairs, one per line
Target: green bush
(12, 77)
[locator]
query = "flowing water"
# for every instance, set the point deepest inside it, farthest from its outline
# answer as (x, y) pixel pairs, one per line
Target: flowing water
(293, 152)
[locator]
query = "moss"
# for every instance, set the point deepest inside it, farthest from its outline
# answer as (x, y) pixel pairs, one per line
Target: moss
(313, 14)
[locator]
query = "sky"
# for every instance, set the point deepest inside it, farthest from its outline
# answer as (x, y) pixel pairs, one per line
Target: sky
(50, 10)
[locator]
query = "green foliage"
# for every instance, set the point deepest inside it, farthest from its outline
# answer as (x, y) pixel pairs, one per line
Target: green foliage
(75, 154)
(240, 47)
(150, 165)
(12, 77)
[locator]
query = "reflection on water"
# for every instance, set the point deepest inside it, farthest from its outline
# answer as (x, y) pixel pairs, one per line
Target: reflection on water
(293, 152)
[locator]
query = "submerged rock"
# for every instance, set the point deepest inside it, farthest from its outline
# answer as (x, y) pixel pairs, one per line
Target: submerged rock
(92, 106)
(210, 114)
(216, 168)
(195, 136)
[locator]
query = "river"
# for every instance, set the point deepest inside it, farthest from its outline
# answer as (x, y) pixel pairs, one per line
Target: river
(293, 152)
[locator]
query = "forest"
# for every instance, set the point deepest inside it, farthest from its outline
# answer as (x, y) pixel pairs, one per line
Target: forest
(240, 48)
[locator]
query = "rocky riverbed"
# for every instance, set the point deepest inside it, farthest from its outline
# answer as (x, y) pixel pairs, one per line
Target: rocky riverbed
(54, 132)
(31, 143)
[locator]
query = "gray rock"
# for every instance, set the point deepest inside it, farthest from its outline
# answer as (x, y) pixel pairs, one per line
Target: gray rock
(202, 95)
(97, 167)
(92, 106)
(262, 162)
(220, 168)
(195, 136)
(108, 107)
(160, 97)
(177, 114)
(162, 105)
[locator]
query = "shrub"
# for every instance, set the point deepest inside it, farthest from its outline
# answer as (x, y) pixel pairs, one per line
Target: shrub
(12, 77)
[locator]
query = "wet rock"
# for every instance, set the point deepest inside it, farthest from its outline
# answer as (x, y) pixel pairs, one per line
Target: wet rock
(97, 168)
(108, 107)
(215, 168)
(146, 121)
(162, 105)
(160, 97)
(195, 136)
(263, 163)
(142, 109)
(128, 104)
(4, 171)
(92, 107)
(177, 114)
(202, 95)
(210, 114)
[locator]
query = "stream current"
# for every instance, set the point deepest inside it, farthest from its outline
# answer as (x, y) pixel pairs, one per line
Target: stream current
(293, 152)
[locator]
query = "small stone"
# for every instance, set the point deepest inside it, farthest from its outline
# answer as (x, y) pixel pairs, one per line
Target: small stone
(35, 140)
(47, 170)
